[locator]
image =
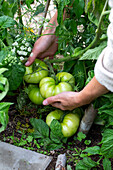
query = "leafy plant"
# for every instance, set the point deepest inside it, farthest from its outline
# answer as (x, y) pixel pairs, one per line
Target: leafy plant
(52, 138)
(4, 118)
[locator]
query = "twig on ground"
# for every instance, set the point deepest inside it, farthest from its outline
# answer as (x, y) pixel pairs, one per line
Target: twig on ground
(61, 162)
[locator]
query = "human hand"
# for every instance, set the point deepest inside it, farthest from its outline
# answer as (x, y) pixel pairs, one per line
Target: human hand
(64, 101)
(46, 45)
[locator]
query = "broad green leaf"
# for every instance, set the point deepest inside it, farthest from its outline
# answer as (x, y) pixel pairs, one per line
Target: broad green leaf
(4, 118)
(3, 54)
(86, 164)
(2, 70)
(107, 143)
(94, 6)
(78, 4)
(107, 164)
(69, 65)
(15, 75)
(54, 146)
(6, 22)
(95, 150)
(40, 127)
(93, 54)
(6, 88)
(56, 131)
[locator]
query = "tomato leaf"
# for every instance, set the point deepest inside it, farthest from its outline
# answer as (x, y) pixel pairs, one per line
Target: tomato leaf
(93, 54)
(56, 132)
(86, 164)
(107, 143)
(40, 127)
(92, 150)
(4, 118)
(107, 164)
(15, 75)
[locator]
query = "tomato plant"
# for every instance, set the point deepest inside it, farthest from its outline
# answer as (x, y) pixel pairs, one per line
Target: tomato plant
(69, 124)
(36, 72)
(51, 87)
(34, 94)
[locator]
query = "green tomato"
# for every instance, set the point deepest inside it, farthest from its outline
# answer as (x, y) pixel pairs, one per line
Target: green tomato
(37, 71)
(69, 124)
(56, 114)
(66, 77)
(50, 87)
(34, 95)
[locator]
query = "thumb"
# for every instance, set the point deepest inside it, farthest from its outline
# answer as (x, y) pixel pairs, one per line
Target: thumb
(31, 59)
(49, 100)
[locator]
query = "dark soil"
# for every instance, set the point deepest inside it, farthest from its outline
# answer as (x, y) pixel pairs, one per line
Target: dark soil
(19, 124)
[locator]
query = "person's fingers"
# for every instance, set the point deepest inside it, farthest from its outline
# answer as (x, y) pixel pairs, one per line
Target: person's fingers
(58, 105)
(51, 100)
(31, 58)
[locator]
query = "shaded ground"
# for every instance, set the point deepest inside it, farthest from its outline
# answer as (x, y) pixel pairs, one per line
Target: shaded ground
(19, 127)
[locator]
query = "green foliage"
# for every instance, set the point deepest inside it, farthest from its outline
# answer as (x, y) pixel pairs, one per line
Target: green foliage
(4, 84)
(107, 143)
(80, 136)
(15, 75)
(4, 118)
(95, 150)
(86, 164)
(52, 138)
(107, 164)
(93, 54)
(94, 7)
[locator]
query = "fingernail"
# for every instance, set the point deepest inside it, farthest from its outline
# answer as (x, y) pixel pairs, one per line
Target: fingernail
(45, 102)
(27, 63)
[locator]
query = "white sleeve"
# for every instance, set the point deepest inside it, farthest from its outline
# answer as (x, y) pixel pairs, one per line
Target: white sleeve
(104, 65)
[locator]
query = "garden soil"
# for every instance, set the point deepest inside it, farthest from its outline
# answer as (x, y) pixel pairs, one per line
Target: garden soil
(19, 125)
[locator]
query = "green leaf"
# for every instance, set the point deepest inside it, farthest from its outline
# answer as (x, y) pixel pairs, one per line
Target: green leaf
(81, 136)
(15, 75)
(78, 4)
(86, 164)
(56, 131)
(79, 74)
(28, 3)
(40, 8)
(40, 127)
(54, 146)
(107, 143)
(3, 54)
(95, 150)
(94, 7)
(69, 65)
(4, 118)
(6, 22)
(107, 164)
(93, 54)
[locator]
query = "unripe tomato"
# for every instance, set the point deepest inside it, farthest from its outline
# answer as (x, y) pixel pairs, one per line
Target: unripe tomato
(56, 114)
(51, 87)
(34, 95)
(69, 124)
(36, 72)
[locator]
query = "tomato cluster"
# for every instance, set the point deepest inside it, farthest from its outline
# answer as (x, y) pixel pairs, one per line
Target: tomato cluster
(46, 86)
(69, 124)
